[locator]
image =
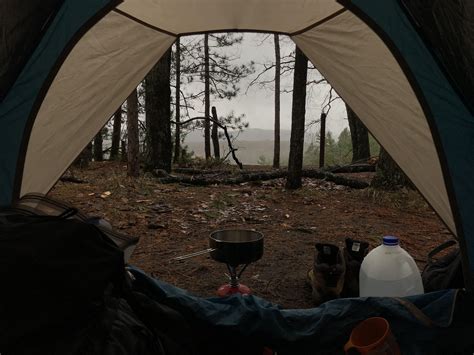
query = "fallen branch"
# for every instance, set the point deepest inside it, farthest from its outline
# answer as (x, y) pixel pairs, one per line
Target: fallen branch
(72, 179)
(194, 171)
(356, 168)
(338, 180)
(261, 176)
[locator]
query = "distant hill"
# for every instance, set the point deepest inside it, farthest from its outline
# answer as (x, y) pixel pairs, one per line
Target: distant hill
(255, 145)
(250, 134)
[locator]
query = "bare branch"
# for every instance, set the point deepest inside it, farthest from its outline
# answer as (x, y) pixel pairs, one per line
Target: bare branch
(229, 141)
(331, 99)
(265, 37)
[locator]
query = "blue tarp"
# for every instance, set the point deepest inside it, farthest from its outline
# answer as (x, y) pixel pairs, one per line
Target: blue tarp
(321, 330)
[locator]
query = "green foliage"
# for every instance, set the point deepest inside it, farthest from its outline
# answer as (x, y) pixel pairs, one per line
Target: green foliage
(374, 146)
(336, 152)
(262, 160)
(187, 155)
(311, 156)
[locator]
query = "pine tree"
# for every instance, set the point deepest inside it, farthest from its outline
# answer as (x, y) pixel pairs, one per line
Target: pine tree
(133, 148)
(206, 61)
(158, 115)
(295, 160)
(360, 137)
(116, 133)
(177, 134)
(276, 142)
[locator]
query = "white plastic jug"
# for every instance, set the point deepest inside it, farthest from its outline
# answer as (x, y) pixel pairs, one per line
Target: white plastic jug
(389, 271)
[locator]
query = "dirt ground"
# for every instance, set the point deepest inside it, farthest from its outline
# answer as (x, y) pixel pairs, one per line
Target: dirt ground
(173, 220)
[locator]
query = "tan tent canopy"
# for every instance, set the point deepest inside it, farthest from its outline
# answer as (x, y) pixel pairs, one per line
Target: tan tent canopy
(114, 56)
(90, 56)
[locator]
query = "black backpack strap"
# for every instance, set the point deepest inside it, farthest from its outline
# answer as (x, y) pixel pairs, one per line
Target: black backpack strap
(68, 213)
(440, 248)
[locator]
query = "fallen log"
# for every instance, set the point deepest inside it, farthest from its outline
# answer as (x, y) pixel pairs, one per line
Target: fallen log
(338, 180)
(194, 171)
(261, 176)
(72, 179)
(356, 168)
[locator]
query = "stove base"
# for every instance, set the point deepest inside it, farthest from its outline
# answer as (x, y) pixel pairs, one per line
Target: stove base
(228, 290)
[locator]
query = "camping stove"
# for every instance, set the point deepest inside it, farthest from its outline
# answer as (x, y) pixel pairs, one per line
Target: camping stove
(234, 286)
(234, 248)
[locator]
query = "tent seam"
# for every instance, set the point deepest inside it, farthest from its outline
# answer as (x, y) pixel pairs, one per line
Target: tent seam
(159, 29)
(146, 24)
(295, 33)
(319, 22)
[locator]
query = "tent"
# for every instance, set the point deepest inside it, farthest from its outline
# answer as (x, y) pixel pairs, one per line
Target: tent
(404, 67)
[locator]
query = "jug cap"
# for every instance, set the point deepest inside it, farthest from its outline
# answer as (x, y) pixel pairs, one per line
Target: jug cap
(390, 240)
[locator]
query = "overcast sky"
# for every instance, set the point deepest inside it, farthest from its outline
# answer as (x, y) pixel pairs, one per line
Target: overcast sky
(258, 103)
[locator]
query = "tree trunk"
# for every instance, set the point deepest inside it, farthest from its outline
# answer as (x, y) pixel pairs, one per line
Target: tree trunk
(276, 139)
(322, 140)
(114, 149)
(207, 101)
(123, 152)
(359, 136)
(388, 175)
(84, 158)
(98, 146)
(158, 115)
(177, 136)
(132, 134)
(215, 135)
(295, 160)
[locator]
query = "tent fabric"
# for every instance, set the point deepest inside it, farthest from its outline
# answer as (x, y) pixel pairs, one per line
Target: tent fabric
(94, 52)
(117, 52)
(365, 73)
(449, 119)
(18, 105)
(321, 330)
(194, 16)
(22, 24)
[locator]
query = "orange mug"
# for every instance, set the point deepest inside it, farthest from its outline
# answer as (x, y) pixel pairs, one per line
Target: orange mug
(373, 337)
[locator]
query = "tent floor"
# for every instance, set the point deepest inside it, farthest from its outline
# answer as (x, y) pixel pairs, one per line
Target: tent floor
(173, 220)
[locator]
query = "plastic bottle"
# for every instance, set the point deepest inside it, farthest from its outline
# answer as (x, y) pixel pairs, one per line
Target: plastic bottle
(389, 271)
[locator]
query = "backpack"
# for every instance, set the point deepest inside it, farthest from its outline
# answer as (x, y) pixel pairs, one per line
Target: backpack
(41, 205)
(54, 270)
(444, 272)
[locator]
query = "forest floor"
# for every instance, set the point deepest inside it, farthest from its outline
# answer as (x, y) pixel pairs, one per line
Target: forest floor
(173, 220)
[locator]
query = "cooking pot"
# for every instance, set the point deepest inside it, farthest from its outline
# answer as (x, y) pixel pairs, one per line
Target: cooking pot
(236, 246)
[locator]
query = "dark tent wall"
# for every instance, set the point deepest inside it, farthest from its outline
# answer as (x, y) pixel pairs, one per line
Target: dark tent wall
(22, 25)
(448, 28)
(451, 123)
